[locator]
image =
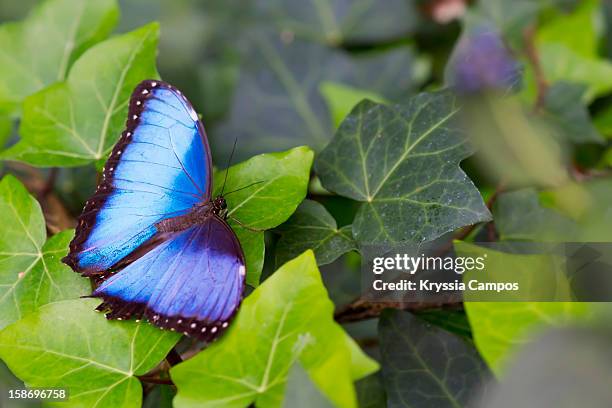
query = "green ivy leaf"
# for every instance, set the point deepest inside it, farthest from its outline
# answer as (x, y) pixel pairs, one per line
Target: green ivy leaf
(402, 162)
(286, 319)
(31, 273)
(312, 227)
(454, 321)
(6, 129)
(283, 181)
(426, 366)
(336, 21)
(301, 392)
(519, 216)
(371, 392)
(277, 103)
(566, 367)
(576, 29)
(521, 321)
(78, 121)
(567, 46)
(67, 345)
(284, 177)
(564, 108)
(341, 99)
(39, 50)
(510, 18)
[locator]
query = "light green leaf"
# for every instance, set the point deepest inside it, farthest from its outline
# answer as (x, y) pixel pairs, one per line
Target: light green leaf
(39, 50)
(284, 182)
(301, 392)
(567, 46)
(6, 128)
(402, 162)
(67, 345)
(341, 99)
(254, 247)
(31, 273)
(501, 328)
(519, 216)
(288, 318)
(563, 368)
(426, 366)
(312, 227)
(560, 63)
(576, 29)
(78, 121)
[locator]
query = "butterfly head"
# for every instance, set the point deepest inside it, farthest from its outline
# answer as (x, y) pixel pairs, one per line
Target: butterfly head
(220, 206)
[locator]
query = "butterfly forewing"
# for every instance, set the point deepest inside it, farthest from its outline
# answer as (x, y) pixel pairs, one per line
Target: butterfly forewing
(160, 168)
(189, 279)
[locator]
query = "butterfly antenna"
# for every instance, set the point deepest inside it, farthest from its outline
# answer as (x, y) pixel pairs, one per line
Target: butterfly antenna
(247, 186)
(229, 162)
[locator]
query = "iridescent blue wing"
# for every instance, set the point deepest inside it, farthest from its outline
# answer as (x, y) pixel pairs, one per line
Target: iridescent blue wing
(192, 283)
(160, 168)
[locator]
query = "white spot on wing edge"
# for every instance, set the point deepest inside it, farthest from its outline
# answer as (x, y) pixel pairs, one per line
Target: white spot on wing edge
(193, 115)
(241, 270)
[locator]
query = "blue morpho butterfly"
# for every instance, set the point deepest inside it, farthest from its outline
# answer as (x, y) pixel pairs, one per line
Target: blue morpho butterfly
(158, 244)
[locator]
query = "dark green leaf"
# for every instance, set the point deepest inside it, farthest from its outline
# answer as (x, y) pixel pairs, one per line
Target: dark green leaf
(78, 121)
(67, 345)
(403, 163)
(277, 103)
(312, 227)
(519, 216)
(288, 318)
(338, 21)
(564, 108)
(159, 397)
(39, 50)
(510, 18)
(370, 392)
(454, 321)
(284, 181)
(31, 273)
(424, 366)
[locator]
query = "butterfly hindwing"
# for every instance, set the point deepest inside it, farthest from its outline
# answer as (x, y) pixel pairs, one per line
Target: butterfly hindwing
(192, 283)
(160, 168)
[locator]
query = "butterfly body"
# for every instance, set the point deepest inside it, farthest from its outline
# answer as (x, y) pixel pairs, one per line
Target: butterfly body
(151, 234)
(197, 215)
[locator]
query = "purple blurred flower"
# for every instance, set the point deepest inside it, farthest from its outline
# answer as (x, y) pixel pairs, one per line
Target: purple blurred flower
(481, 61)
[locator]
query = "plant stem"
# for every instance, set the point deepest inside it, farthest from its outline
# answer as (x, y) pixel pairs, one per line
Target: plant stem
(534, 60)
(174, 357)
(155, 380)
